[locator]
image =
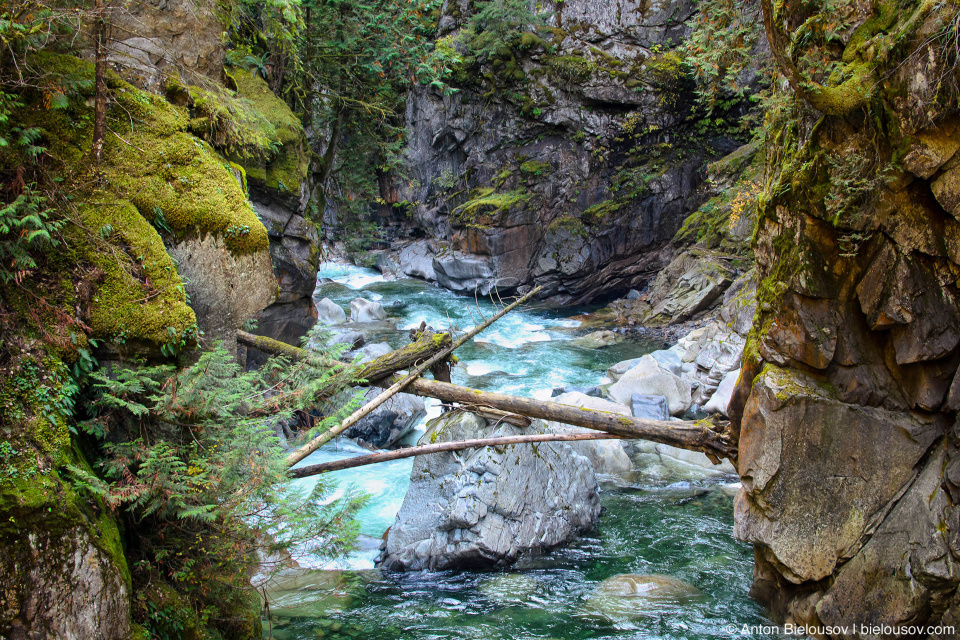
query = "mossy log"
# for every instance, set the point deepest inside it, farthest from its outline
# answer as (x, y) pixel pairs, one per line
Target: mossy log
(426, 346)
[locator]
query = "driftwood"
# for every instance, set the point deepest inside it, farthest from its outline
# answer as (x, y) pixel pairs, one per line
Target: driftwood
(695, 436)
(398, 384)
(409, 452)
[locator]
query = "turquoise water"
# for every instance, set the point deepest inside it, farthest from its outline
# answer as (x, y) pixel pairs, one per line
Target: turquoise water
(674, 521)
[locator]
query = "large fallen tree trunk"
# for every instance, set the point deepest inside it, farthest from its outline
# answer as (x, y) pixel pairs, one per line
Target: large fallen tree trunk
(426, 347)
(409, 452)
(695, 436)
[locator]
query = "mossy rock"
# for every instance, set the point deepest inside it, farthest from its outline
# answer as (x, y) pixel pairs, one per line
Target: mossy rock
(286, 168)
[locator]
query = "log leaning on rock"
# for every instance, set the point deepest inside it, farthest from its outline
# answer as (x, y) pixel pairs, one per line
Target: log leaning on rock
(699, 436)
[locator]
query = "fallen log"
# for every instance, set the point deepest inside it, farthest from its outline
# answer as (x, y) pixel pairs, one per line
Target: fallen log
(409, 452)
(695, 436)
(398, 384)
(427, 346)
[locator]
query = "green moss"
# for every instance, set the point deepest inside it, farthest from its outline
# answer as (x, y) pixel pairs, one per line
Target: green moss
(568, 223)
(152, 161)
(486, 203)
(535, 168)
(141, 297)
(286, 168)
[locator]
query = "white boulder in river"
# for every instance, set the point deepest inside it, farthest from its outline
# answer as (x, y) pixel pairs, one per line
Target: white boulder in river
(607, 456)
(487, 507)
(649, 377)
(329, 312)
(366, 311)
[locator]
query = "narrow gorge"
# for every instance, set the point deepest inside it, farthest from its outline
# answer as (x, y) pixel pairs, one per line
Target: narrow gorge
(227, 227)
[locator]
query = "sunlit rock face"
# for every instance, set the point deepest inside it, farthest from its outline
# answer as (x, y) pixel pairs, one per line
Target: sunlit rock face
(847, 398)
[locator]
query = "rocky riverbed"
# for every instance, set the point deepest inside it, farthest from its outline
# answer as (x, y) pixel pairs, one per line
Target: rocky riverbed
(661, 513)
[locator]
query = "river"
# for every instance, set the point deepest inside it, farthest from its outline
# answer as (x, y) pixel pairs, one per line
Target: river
(675, 520)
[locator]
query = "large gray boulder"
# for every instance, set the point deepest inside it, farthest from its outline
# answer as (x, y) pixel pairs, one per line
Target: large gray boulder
(416, 261)
(648, 378)
(607, 456)
(487, 507)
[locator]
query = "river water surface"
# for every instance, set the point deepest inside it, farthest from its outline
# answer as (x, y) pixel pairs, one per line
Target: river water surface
(673, 520)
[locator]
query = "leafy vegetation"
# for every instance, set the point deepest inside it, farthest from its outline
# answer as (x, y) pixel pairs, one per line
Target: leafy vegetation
(192, 463)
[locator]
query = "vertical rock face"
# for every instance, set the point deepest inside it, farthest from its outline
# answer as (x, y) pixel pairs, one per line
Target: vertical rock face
(62, 585)
(847, 398)
(157, 36)
(567, 163)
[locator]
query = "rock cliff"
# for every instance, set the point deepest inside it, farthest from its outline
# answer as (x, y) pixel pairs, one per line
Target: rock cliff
(848, 397)
(567, 161)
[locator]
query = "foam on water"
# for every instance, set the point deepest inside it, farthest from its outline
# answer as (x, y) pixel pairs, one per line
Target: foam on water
(648, 525)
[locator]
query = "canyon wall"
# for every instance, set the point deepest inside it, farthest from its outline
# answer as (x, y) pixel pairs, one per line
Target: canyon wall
(847, 404)
(567, 161)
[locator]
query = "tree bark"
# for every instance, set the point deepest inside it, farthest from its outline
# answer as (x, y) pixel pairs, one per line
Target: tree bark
(387, 456)
(694, 436)
(99, 81)
(427, 346)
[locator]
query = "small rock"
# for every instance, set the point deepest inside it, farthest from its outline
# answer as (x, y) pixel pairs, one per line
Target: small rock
(650, 407)
(598, 340)
(633, 294)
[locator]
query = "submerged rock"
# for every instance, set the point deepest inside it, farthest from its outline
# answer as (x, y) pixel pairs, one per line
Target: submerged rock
(631, 596)
(487, 507)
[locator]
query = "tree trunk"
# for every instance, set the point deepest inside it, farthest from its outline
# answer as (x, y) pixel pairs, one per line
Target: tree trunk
(387, 456)
(695, 436)
(423, 349)
(99, 82)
